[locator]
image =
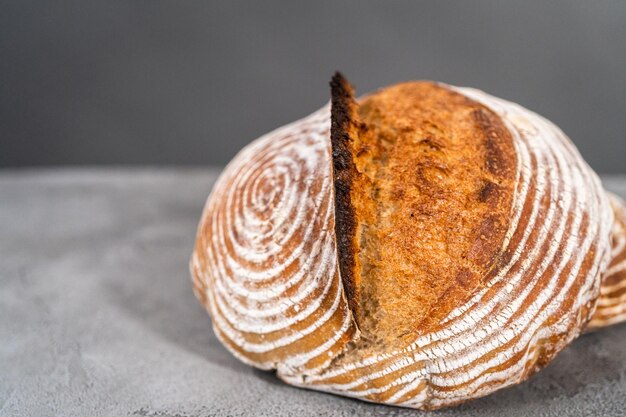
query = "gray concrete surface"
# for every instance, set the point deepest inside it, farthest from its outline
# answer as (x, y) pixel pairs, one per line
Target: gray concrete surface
(97, 316)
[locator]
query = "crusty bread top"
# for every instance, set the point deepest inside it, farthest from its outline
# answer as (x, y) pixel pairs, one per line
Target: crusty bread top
(431, 177)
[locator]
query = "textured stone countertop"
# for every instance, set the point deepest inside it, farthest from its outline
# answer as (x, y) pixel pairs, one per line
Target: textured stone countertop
(97, 315)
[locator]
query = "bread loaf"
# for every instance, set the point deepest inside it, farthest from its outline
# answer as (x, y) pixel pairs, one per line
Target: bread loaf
(421, 246)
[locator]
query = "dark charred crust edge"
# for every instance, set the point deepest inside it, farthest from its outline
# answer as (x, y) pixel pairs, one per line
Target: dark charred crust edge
(344, 123)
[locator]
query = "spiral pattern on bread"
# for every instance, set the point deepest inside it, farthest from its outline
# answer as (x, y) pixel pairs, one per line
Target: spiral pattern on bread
(265, 260)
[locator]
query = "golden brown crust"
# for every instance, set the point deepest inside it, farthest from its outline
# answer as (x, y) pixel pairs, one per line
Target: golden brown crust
(431, 185)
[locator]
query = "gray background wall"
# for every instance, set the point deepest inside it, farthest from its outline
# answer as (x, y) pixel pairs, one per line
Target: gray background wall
(168, 82)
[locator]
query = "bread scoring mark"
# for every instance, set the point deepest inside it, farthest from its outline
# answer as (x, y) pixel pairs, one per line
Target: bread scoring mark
(344, 124)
